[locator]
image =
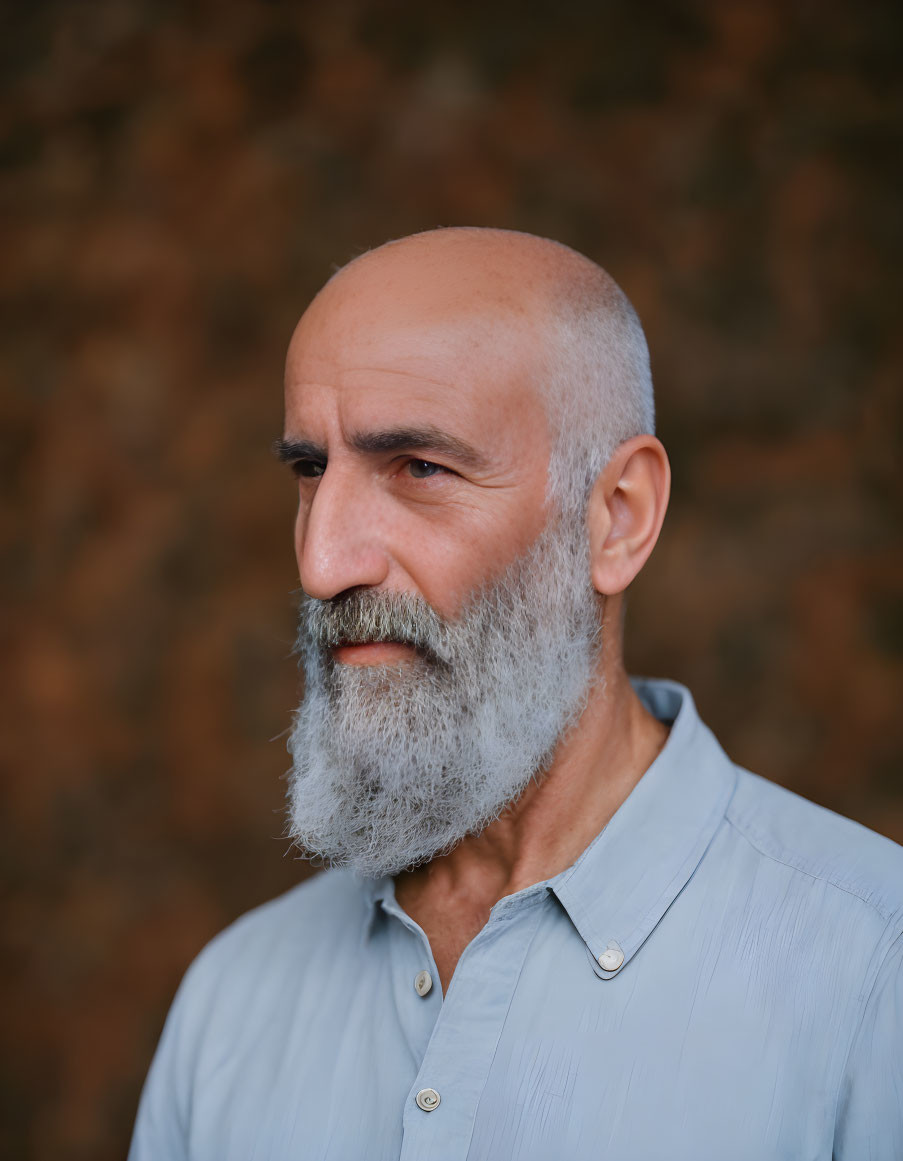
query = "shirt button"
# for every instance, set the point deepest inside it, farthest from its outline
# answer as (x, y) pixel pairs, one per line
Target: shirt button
(427, 1099)
(611, 959)
(423, 983)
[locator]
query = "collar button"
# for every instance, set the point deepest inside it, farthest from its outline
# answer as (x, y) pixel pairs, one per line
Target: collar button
(611, 959)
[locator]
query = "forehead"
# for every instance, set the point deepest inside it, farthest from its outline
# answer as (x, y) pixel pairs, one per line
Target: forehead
(442, 354)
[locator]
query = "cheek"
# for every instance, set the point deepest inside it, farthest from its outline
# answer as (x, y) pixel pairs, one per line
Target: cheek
(447, 568)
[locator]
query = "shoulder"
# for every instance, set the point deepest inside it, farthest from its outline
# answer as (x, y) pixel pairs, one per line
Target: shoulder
(237, 993)
(319, 916)
(326, 897)
(813, 841)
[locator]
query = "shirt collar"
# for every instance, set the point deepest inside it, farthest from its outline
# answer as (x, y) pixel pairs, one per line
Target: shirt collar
(625, 881)
(378, 894)
(379, 898)
(627, 878)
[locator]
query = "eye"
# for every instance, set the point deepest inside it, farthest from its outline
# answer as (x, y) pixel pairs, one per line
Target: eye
(423, 469)
(309, 469)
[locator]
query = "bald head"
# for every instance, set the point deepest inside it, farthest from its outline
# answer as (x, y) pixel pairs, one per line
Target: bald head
(518, 297)
(513, 269)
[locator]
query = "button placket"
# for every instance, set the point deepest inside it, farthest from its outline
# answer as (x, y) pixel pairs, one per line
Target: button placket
(469, 1023)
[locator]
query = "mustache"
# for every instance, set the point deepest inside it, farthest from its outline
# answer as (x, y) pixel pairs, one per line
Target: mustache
(361, 616)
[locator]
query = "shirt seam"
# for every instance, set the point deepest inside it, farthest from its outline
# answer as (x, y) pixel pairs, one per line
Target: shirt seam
(861, 1020)
(759, 843)
(874, 968)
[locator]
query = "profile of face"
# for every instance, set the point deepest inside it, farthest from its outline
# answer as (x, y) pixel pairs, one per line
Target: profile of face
(450, 629)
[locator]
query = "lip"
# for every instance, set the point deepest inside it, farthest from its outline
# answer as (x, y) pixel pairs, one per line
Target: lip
(373, 653)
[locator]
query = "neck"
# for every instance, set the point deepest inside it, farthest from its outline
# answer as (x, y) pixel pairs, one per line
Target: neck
(593, 770)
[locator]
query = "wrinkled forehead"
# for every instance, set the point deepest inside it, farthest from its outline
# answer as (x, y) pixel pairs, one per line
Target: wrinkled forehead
(470, 339)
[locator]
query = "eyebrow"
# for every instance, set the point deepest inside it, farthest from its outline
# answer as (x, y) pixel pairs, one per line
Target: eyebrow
(427, 439)
(289, 451)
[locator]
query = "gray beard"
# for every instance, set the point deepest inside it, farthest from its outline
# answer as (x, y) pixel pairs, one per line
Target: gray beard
(395, 764)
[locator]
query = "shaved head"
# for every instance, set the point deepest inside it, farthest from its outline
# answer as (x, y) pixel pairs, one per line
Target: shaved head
(591, 365)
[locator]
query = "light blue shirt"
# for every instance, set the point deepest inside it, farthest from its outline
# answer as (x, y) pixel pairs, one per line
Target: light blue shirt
(752, 1006)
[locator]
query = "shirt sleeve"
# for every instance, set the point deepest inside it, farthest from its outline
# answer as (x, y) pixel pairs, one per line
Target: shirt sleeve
(869, 1124)
(161, 1127)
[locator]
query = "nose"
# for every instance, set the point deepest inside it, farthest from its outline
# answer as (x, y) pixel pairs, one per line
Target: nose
(337, 539)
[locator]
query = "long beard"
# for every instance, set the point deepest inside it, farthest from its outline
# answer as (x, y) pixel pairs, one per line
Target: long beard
(393, 765)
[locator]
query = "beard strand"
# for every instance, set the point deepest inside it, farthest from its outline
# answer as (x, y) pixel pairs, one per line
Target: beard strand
(393, 765)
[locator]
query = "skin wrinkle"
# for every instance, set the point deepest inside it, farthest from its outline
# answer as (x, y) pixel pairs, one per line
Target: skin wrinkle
(423, 439)
(396, 371)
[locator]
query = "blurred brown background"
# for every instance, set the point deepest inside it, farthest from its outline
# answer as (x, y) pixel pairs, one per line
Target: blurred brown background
(177, 181)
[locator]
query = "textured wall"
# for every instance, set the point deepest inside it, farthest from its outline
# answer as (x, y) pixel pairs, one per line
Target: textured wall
(177, 180)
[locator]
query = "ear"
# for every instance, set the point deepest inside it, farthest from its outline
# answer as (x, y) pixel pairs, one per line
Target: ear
(625, 513)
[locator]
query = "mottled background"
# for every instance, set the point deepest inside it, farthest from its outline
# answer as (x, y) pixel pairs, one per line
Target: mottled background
(177, 180)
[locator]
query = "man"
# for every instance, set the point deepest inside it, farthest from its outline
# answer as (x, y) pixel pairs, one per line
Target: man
(559, 923)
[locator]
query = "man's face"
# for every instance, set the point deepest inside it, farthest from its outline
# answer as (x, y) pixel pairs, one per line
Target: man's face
(422, 444)
(450, 632)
